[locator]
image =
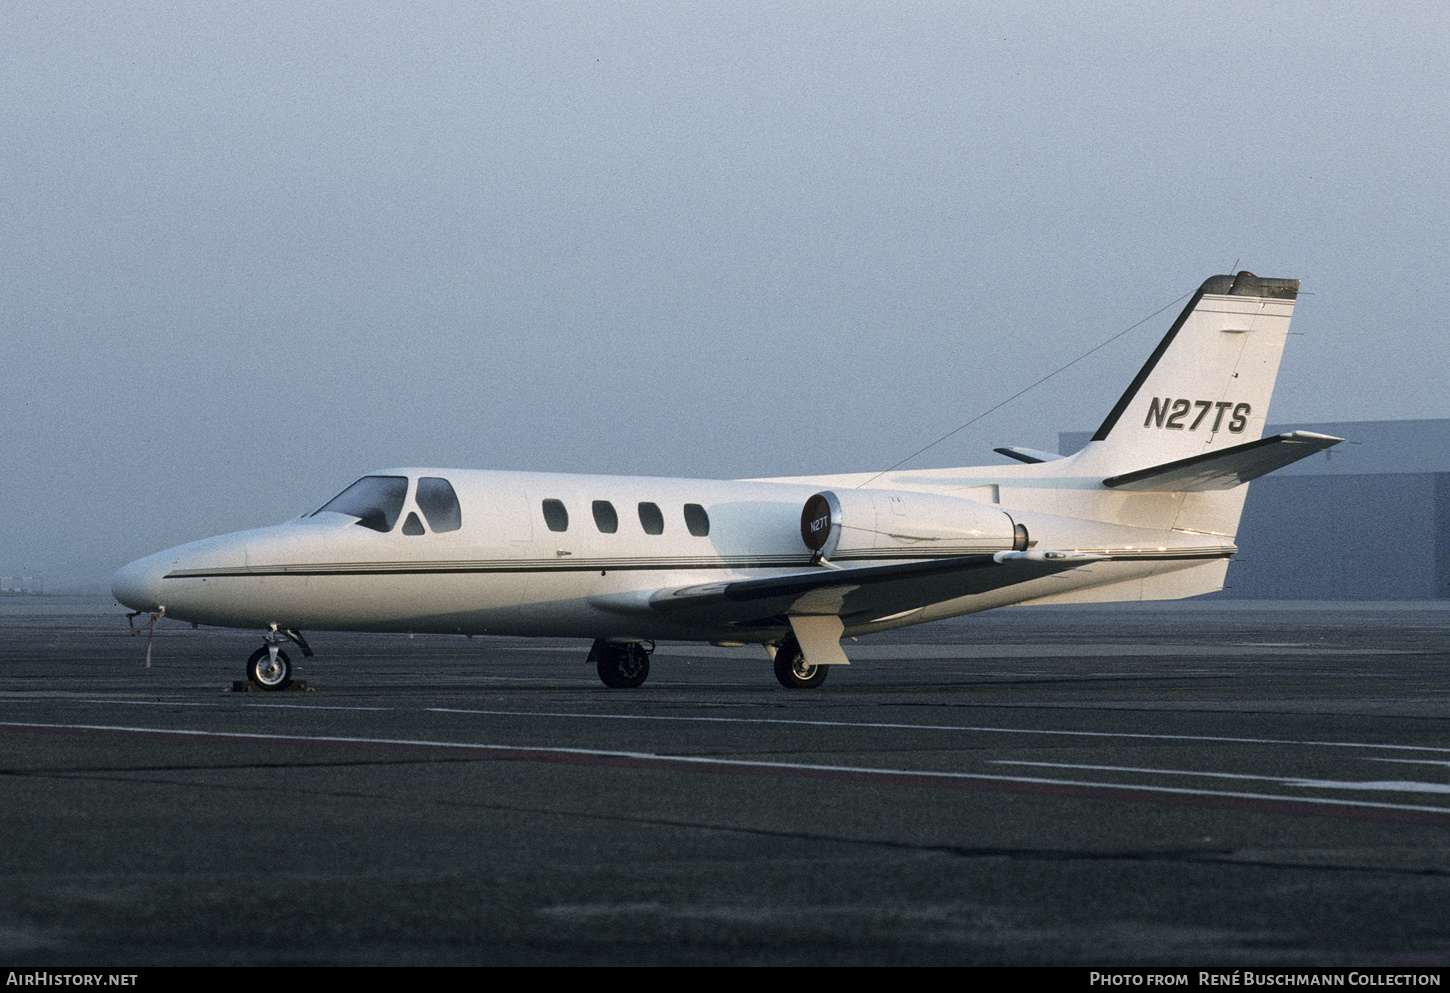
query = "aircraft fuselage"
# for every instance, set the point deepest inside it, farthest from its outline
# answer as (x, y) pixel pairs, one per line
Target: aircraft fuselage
(515, 565)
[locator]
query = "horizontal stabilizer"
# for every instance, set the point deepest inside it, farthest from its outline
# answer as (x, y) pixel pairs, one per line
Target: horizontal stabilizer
(1227, 467)
(1028, 455)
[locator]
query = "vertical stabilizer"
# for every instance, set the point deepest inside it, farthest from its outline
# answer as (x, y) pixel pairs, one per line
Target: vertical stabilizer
(1205, 388)
(1208, 383)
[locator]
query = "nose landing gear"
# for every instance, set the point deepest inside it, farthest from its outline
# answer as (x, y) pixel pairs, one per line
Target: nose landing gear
(269, 668)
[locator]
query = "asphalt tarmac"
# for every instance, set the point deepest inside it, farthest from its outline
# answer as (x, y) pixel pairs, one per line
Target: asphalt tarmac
(1184, 784)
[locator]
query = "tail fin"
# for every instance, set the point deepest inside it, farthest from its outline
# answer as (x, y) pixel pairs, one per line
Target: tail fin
(1207, 385)
(1203, 391)
(1178, 448)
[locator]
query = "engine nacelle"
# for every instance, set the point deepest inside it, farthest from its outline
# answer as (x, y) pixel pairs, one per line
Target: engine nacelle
(896, 523)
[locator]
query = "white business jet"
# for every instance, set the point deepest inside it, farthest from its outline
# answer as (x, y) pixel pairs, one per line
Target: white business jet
(1147, 510)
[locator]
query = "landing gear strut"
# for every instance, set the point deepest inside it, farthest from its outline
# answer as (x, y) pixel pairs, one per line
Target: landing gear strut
(621, 665)
(269, 668)
(792, 669)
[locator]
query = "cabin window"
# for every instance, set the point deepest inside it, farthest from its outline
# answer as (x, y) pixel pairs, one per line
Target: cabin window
(556, 515)
(651, 519)
(604, 517)
(376, 501)
(439, 504)
(697, 520)
(412, 525)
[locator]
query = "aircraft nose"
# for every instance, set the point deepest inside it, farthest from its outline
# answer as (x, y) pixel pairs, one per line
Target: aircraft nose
(138, 585)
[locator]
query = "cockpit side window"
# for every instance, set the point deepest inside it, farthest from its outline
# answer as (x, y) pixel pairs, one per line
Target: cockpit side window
(439, 504)
(376, 501)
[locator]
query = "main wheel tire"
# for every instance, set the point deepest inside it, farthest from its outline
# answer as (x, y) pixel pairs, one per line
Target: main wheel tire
(621, 667)
(792, 669)
(268, 675)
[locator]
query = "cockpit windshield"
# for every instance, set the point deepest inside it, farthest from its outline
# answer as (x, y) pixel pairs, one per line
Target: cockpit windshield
(376, 501)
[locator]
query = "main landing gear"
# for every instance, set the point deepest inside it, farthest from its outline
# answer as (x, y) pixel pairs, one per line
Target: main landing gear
(269, 668)
(792, 669)
(622, 665)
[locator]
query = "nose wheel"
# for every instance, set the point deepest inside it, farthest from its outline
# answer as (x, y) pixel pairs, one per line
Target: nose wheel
(270, 668)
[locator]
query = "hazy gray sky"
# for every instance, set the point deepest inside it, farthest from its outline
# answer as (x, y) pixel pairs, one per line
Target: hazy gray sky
(252, 251)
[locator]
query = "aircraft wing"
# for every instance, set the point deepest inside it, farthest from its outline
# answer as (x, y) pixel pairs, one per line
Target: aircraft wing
(865, 593)
(1228, 467)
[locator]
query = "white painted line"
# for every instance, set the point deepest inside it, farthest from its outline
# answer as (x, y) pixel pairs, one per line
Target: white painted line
(1391, 785)
(797, 722)
(940, 727)
(688, 761)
